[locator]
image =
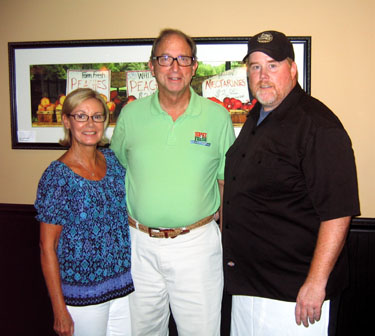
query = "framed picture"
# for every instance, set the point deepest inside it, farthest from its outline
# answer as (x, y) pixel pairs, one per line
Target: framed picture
(42, 73)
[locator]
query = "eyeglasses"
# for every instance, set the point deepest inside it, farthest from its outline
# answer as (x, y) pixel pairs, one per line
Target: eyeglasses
(81, 117)
(165, 60)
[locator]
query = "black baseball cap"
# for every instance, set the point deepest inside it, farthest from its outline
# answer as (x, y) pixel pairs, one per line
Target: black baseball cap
(272, 43)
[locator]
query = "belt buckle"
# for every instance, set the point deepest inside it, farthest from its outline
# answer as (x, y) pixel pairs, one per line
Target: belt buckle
(153, 232)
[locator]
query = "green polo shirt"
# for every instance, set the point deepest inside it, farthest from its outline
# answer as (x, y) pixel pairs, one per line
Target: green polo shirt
(172, 166)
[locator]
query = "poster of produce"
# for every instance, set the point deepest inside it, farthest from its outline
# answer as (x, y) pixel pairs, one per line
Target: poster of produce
(39, 80)
(49, 84)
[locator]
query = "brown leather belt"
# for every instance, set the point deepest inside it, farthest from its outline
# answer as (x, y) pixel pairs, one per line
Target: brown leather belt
(170, 232)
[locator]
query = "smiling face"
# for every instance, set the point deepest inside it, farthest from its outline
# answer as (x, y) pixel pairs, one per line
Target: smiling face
(174, 79)
(270, 81)
(87, 133)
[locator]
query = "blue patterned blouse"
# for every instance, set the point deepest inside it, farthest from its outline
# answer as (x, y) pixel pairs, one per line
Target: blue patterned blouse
(94, 245)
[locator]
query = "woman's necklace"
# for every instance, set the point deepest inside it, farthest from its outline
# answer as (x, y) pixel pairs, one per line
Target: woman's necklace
(92, 173)
(81, 165)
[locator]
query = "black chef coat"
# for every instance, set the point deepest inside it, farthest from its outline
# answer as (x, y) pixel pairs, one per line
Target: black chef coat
(283, 178)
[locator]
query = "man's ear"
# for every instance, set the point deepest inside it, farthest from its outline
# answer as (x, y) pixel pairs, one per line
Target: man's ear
(194, 67)
(293, 70)
(151, 66)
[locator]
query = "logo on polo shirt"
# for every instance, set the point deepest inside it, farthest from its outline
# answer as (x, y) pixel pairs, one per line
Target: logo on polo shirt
(200, 138)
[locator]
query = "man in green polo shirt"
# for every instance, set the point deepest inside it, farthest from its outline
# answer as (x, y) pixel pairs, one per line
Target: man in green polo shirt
(173, 146)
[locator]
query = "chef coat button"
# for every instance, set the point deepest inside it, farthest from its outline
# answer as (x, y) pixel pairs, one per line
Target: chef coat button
(231, 263)
(243, 155)
(234, 178)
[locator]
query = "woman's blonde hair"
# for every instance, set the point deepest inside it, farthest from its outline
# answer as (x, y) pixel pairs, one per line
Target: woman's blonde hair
(72, 100)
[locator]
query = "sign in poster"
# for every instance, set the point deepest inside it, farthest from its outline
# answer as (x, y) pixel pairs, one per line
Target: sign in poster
(140, 83)
(99, 80)
(230, 89)
(231, 83)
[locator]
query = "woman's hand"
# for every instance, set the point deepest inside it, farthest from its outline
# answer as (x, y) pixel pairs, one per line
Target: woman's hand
(63, 324)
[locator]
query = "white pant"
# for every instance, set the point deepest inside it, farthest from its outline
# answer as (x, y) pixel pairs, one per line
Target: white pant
(184, 272)
(111, 318)
(254, 316)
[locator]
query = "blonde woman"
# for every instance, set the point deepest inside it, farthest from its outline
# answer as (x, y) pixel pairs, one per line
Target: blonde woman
(84, 234)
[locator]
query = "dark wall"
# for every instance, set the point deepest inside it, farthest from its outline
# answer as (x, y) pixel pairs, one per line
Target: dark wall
(357, 308)
(27, 309)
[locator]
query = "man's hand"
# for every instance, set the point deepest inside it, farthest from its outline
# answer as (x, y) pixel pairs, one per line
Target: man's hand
(331, 239)
(216, 215)
(309, 304)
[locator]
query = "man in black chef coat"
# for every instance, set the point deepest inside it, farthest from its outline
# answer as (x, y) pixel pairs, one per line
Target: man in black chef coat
(290, 192)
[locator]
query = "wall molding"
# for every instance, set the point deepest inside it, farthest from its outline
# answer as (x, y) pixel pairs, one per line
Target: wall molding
(358, 224)
(362, 224)
(11, 207)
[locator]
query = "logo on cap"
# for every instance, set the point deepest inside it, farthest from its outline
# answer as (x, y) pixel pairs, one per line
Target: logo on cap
(265, 38)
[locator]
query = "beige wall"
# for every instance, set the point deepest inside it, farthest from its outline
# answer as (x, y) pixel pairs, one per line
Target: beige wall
(343, 53)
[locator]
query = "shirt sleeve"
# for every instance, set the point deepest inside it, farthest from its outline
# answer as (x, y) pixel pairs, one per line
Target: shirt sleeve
(52, 200)
(118, 139)
(330, 173)
(227, 139)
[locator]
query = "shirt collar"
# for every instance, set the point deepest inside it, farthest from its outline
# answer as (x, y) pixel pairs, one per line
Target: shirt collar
(289, 102)
(281, 111)
(193, 109)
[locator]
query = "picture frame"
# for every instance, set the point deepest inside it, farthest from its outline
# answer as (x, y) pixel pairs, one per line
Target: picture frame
(30, 61)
